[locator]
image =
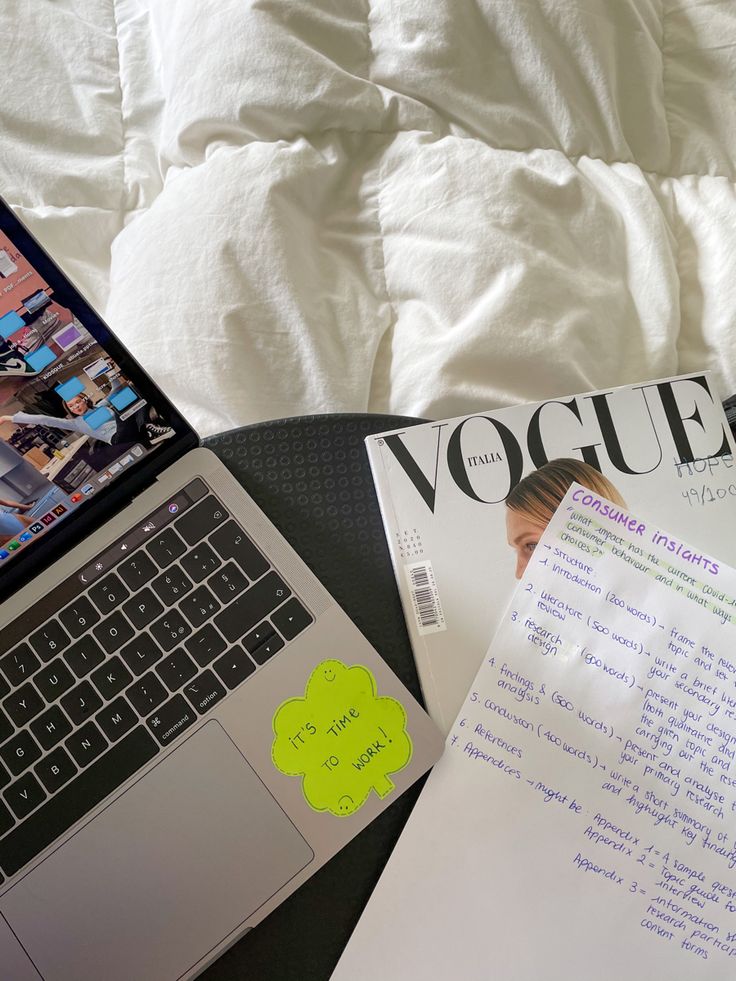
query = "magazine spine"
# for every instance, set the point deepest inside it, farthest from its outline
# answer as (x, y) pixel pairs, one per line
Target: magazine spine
(382, 486)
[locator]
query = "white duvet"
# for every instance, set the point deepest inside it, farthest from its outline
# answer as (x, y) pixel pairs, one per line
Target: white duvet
(415, 206)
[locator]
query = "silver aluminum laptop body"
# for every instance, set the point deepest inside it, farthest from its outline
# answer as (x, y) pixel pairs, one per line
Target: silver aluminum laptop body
(207, 836)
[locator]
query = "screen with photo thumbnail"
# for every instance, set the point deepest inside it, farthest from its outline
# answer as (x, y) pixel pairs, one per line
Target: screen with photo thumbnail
(70, 419)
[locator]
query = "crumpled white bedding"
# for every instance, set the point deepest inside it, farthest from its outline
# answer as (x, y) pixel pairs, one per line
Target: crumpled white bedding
(415, 206)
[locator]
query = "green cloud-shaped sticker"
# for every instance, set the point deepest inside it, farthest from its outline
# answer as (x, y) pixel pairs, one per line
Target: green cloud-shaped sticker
(341, 738)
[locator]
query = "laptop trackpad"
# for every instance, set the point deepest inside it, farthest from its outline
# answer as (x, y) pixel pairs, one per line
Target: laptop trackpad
(164, 874)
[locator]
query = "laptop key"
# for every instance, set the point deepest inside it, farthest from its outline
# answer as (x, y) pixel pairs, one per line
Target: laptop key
(267, 649)
(79, 616)
(146, 694)
(6, 727)
(137, 571)
(199, 521)
(166, 547)
(86, 744)
(205, 645)
(200, 562)
(291, 618)
(171, 719)
(81, 703)
(205, 691)
(23, 704)
(6, 820)
(83, 656)
(116, 719)
(49, 640)
(232, 543)
(234, 667)
(51, 727)
(113, 632)
(5, 777)
(228, 583)
(141, 654)
(54, 679)
(256, 637)
(4, 687)
(19, 665)
(176, 669)
(109, 594)
(111, 678)
(55, 769)
(252, 606)
(171, 585)
(142, 609)
(170, 630)
(19, 752)
(76, 799)
(199, 606)
(24, 795)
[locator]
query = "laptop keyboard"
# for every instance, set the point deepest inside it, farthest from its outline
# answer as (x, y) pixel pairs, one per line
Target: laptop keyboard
(130, 653)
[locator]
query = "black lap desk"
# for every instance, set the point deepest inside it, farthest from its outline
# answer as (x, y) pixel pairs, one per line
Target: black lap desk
(311, 476)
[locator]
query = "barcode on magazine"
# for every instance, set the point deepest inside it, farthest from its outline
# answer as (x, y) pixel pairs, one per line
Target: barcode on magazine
(425, 598)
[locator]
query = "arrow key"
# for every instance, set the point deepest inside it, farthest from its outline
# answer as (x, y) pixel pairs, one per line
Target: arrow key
(252, 641)
(267, 649)
(234, 667)
(291, 618)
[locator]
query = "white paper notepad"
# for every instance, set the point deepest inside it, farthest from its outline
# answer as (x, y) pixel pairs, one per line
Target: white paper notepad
(582, 821)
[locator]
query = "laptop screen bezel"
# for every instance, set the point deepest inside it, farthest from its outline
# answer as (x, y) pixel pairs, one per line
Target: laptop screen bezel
(110, 500)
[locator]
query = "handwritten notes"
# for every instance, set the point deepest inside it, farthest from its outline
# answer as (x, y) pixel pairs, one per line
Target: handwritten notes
(341, 738)
(582, 822)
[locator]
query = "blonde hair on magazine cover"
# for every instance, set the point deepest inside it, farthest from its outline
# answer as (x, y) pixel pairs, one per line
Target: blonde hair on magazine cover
(533, 501)
(539, 494)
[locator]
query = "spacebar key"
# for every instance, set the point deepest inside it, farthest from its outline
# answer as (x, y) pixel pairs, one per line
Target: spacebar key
(76, 799)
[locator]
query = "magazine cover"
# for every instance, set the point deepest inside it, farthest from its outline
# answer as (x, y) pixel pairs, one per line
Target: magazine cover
(464, 502)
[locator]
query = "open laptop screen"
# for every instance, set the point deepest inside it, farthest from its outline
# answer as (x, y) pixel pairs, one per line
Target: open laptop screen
(74, 420)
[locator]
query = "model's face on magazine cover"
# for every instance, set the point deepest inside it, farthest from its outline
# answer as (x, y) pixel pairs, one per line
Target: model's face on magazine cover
(522, 534)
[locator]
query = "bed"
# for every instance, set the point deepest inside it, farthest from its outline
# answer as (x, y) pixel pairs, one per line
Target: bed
(425, 208)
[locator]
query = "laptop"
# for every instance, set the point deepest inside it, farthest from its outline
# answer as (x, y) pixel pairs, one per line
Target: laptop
(189, 724)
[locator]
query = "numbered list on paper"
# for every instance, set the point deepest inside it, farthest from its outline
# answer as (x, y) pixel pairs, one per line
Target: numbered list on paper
(608, 701)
